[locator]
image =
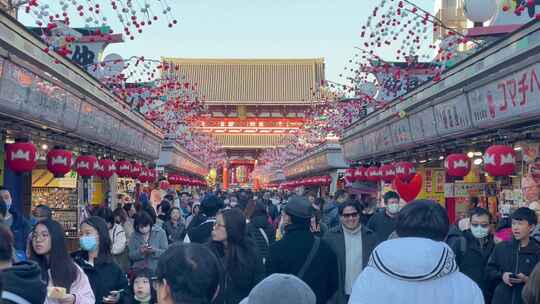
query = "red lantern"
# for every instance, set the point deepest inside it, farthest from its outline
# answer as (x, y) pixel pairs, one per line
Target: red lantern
(152, 175)
(59, 162)
(349, 175)
(144, 176)
(173, 179)
(123, 168)
(373, 174)
(86, 165)
(388, 173)
(405, 171)
(327, 180)
(457, 164)
(164, 185)
(105, 168)
(21, 157)
(135, 170)
(360, 174)
(500, 160)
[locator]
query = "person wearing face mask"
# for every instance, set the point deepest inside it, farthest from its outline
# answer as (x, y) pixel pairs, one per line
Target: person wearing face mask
(107, 280)
(478, 247)
(147, 243)
(20, 227)
(384, 222)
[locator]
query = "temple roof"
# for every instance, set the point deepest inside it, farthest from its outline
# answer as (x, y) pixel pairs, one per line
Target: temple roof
(253, 81)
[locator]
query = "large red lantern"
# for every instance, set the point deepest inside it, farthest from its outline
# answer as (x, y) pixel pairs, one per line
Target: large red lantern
(123, 168)
(105, 168)
(173, 179)
(86, 165)
(405, 171)
(59, 162)
(360, 174)
(327, 180)
(373, 174)
(457, 164)
(349, 175)
(135, 170)
(500, 160)
(152, 175)
(144, 176)
(21, 157)
(388, 173)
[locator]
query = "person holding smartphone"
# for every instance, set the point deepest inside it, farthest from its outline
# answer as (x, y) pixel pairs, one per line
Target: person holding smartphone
(511, 262)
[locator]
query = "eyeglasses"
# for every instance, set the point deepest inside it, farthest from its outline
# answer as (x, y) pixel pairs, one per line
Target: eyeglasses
(40, 236)
(350, 215)
(480, 225)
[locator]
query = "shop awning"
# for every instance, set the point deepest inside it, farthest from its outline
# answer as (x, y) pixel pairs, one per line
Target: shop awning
(325, 157)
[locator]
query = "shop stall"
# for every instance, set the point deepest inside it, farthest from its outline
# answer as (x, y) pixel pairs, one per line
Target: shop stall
(317, 170)
(477, 128)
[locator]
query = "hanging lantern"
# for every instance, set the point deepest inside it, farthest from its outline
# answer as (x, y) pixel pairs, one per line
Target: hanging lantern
(457, 164)
(21, 156)
(173, 179)
(480, 11)
(135, 170)
(360, 174)
(327, 180)
(152, 175)
(105, 168)
(373, 174)
(349, 175)
(388, 173)
(144, 176)
(405, 171)
(86, 165)
(500, 160)
(59, 161)
(164, 185)
(123, 168)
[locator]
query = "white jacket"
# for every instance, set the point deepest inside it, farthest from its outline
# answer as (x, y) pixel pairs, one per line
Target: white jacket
(414, 271)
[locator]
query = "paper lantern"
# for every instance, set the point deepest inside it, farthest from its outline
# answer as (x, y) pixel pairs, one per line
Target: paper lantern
(164, 185)
(405, 171)
(123, 168)
(59, 162)
(388, 172)
(327, 180)
(174, 179)
(500, 160)
(152, 175)
(135, 170)
(457, 165)
(21, 157)
(360, 174)
(349, 175)
(480, 11)
(373, 174)
(86, 165)
(105, 168)
(144, 176)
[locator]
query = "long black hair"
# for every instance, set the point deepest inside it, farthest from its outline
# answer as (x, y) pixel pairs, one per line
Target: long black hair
(63, 269)
(105, 244)
(240, 253)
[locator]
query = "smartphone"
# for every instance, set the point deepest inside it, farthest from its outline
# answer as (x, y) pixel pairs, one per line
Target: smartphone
(513, 276)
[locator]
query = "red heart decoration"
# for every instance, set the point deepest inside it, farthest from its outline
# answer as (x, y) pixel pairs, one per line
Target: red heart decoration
(409, 190)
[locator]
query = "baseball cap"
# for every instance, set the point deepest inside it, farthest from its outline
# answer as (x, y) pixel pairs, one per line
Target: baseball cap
(289, 288)
(299, 206)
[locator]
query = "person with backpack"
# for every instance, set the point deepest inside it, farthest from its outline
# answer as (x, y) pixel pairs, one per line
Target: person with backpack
(260, 230)
(302, 254)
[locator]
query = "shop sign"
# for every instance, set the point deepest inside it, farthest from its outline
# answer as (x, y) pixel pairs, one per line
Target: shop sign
(45, 101)
(71, 111)
(469, 189)
(14, 87)
(354, 148)
(423, 125)
(452, 116)
(508, 98)
(401, 132)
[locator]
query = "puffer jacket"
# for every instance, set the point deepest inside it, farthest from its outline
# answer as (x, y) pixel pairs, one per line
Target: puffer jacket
(256, 227)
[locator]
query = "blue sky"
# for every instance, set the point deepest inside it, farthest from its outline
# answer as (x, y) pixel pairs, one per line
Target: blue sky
(259, 29)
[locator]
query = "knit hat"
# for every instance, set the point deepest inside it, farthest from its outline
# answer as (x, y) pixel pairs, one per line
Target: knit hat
(286, 287)
(299, 206)
(22, 282)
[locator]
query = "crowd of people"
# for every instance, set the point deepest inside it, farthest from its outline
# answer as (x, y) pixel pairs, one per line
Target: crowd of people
(271, 247)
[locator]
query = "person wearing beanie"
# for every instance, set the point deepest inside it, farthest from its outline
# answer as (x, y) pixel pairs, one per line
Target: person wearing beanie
(200, 229)
(302, 254)
(21, 281)
(290, 289)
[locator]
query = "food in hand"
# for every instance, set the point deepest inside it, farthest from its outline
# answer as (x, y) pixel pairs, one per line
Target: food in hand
(56, 292)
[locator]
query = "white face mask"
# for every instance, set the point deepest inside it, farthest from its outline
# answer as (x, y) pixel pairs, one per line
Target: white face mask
(392, 208)
(479, 232)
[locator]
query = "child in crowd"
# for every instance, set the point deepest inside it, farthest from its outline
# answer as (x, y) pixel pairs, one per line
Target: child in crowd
(142, 291)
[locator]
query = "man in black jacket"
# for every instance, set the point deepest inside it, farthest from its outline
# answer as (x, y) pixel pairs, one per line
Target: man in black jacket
(512, 262)
(352, 243)
(478, 247)
(291, 255)
(383, 223)
(200, 228)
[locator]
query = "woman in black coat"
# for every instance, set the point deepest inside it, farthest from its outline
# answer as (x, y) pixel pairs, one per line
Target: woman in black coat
(241, 261)
(108, 281)
(260, 229)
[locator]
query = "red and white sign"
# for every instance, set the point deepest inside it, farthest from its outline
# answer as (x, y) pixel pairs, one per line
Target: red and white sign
(500, 160)
(457, 164)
